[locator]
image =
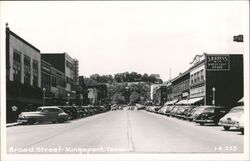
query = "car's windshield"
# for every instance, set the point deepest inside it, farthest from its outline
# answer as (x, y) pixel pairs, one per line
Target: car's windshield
(39, 109)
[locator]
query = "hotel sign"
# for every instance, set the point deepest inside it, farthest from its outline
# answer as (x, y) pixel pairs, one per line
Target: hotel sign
(217, 62)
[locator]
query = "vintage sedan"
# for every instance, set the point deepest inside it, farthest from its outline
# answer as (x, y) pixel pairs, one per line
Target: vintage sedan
(240, 123)
(211, 114)
(43, 114)
(231, 118)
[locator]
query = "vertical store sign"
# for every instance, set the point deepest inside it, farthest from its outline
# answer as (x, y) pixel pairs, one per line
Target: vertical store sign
(218, 62)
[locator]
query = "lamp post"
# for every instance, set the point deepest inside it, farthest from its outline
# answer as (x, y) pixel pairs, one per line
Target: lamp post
(213, 89)
(68, 98)
(44, 90)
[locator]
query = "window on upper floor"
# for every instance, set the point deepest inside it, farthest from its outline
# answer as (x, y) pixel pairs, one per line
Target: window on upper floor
(17, 66)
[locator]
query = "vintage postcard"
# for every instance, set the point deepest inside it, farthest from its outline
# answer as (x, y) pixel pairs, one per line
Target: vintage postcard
(124, 80)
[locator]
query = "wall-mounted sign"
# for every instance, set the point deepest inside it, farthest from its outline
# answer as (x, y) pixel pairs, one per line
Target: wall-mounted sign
(217, 63)
(185, 94)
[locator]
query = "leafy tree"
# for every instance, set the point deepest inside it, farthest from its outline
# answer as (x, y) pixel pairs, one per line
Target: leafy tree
(134, 97)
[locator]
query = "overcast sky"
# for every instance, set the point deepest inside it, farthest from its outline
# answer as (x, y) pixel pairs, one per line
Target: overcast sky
(145, 37)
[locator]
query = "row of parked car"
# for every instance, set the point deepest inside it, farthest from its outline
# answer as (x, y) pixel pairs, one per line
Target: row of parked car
(217, 115)
(59, 113)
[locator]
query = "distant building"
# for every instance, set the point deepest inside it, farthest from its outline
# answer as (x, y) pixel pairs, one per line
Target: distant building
(153, 88)
(180, 87)
(160, 95)
(65, 68)
(97, 94)
(23, 74)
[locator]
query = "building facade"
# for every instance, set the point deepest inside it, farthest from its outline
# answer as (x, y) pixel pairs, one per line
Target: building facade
(23, 75)
(97, 94)
(180, 87)
(160, 95)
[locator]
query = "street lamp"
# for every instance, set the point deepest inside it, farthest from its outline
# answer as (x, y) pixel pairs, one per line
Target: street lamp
(44, 90)
(68, 98)
(213, 89)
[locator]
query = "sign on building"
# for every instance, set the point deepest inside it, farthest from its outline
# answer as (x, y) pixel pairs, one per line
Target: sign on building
(217, 63)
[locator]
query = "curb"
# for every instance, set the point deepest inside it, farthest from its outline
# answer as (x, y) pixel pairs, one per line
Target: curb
(12, 124)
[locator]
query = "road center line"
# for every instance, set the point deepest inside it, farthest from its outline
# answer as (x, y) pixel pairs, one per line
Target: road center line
(130, 140)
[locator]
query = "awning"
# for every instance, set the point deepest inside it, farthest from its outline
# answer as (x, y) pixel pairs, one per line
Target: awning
(171, 102)
(194, 100)
(183, 102)
(241, 100)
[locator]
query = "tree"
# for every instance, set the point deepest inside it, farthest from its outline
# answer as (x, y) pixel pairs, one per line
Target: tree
(134, 97)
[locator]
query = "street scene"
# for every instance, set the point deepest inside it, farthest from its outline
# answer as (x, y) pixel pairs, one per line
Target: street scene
(107, 78)
(124, 131)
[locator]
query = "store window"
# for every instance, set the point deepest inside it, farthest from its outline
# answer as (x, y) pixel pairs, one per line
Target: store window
(35, 73)
(27, 70)
(192, 77)
(17, 66)
(202, 75)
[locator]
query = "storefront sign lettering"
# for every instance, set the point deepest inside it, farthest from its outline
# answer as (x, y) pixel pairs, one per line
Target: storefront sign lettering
(218, 62)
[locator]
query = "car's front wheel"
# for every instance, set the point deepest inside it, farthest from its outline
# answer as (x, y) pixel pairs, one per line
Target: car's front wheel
(201, 123)
(31, 121)
(226, 128)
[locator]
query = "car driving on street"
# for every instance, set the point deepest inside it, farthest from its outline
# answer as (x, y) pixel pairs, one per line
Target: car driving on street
(43, 114)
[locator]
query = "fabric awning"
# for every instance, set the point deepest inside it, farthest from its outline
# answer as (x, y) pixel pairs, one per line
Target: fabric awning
(183, 102)
(194, 100)
(171, 102)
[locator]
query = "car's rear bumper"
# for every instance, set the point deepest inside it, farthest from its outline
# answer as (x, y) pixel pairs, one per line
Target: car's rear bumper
(227, 124)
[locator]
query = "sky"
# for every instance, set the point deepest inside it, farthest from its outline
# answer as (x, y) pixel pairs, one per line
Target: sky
(114, 37)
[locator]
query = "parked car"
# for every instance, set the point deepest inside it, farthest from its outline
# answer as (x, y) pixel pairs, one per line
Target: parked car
(174, 111)
(162, 110)
(232, 117)
(71, 111)
(187, 113)
(181, 110)
(240, 123)
(211, 114)
(43, 114)
(168, 110)
(195, 113)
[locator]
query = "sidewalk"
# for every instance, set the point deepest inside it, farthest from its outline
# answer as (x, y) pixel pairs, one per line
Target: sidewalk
(12, 124)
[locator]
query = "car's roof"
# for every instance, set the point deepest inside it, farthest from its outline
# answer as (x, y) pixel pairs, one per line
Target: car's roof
(49, 107)
(238, 107)
(207, 107)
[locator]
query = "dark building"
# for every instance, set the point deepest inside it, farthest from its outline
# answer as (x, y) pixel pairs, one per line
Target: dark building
(217, 79)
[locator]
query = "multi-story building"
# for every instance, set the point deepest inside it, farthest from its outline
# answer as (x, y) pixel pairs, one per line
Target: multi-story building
(180, 87)
(217, 79)
(65, 68)
(23, 74)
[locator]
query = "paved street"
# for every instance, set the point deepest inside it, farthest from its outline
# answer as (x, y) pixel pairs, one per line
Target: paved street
(123, 131)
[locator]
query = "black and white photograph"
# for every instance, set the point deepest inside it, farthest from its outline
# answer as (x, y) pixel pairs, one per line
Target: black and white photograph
(124, 80)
